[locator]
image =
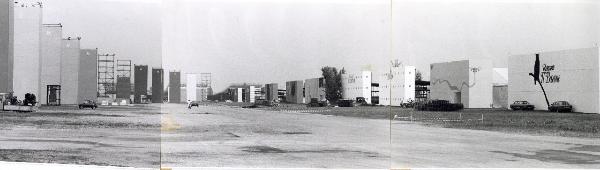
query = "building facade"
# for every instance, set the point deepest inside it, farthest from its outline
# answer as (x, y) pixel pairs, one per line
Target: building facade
(175, 87)
(271, 92)
(468, 82)
(567, 75)
(357, 84)
(88, 75)
(6, 46)
(190, 87)
(157, 85)
(294, 91)
(140, 83)
(69, 64)
(50, 64)
(26, 68)
(314, 88)
(397, 86)
(123, 87)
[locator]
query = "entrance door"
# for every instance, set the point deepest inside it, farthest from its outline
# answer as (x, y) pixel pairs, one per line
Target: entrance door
(457, 97)
(53, 97)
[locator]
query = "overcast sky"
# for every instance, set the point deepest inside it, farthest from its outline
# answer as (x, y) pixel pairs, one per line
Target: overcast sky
(263, 41)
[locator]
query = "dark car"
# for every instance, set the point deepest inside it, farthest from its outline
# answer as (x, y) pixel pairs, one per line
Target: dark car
(438, 105)
(193, 103)
(345, 103)
(88, 104)
(314, 102)
(560, 106)
(521, 105)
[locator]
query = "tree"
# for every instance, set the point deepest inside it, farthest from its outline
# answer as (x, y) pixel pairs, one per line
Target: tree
(418, 76)
(333, 83)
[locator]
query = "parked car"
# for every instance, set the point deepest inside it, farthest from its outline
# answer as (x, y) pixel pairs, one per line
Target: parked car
(345, 103)
(193, 103)
(88, 104)
(560, 106)
(521, 105)
(438, 105)
(314, 102)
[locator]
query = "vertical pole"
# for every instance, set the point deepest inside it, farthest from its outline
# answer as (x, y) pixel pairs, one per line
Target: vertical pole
(545, 96)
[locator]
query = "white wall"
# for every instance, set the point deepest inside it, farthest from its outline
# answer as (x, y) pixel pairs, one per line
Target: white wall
(26, 70)
(50, 60)
(69, 80)
(472, 79)
(401, 84)
(578, 83)
(190, 87)
(357, 85)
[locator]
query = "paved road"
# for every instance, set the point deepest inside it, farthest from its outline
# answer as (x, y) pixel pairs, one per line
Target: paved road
(221, 136)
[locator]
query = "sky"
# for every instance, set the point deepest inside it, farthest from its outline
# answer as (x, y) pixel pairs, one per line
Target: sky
(265, 41)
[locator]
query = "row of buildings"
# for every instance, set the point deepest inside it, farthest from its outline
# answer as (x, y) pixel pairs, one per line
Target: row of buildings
(35, 58)
(568, 75)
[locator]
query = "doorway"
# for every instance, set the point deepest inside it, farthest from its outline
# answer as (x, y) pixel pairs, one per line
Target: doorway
(53, 95)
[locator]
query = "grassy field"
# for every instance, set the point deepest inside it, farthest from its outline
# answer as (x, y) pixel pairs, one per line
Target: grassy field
(530, 122)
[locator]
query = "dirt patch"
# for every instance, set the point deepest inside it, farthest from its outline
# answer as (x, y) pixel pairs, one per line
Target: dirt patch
(97, 144)
(48, 156)
(296, 133)
(590, 148)
(269, 149)
(262, 149)
(50, 124)
(561, 156)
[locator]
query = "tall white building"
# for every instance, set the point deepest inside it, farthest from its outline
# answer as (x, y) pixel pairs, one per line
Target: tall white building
(50, 62)
(190, 87)
(397, 86)
(467, 81)
(27, 31)
(357, 84)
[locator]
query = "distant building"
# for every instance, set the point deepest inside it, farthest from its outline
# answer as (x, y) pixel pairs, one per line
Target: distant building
(123, 87)
(26, 70)
(88, 75)
(357, 85)
(70, 70)
(190, 87)
(294, 91)
(314, 88)
(500, 89)
(140, 90)
(175, 87)
(157, 85)
(50, 64)
(468, 82)
(397, 86)
(271, 91)
(6, 46)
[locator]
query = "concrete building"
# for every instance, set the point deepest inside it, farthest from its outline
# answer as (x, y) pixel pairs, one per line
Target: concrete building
(294, 91)
(190, 87)
(468, 82)
(140, 83)
(500, 89)
(397, 86)
(314, 88)
(567, 75)
(123, 88)
(69, 73)
(88, 75)
(270, 92)
(174, 87)
(26, 70)
(51, 48)
(357, 85)
(6, 46)
(157, 85)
